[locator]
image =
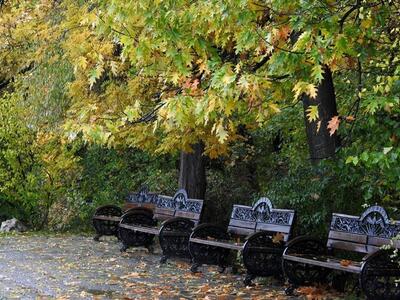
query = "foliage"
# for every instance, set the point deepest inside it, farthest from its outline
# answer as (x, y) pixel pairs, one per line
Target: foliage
(161, 75)
(108, 175)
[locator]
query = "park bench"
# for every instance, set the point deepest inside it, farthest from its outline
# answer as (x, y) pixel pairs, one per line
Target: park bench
(173, 221)
(260, 232)
(106, 218)
(307, 260)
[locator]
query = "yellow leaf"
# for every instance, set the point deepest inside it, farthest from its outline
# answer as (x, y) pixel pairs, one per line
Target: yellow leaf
(298, 89)
(228, 78)
(175, 78)
(312, 113)
(366, 23)
(229, 107)
(221, 133)
(81, 63)
(274, 107)
(318, 126)
(312, 91)
(114, 67)
(243, 83)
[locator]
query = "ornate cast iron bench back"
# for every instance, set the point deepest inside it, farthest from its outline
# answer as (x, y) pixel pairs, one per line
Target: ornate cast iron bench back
(178, 206)
(261, 216)
(307, 260)
(178, 214)
(365, 233)
(262, 232)
(106, 218)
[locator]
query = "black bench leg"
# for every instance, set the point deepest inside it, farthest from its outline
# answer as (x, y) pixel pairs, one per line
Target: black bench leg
(248, 280)
(97, 237)
(150, 248)
(194, 267)
(164, 259)
(339, 281)
(124, 247)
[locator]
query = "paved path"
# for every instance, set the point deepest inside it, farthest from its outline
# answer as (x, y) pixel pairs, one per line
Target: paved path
(75, 267)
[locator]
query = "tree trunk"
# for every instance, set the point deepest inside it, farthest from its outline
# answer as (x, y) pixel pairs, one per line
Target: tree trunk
(192, 173)
(321, 144)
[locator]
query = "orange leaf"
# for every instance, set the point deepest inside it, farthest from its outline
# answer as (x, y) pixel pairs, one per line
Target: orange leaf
(195, 84)
(277, 238)
(333, 125)
(350, 118)
(345, 262)
(284, 32)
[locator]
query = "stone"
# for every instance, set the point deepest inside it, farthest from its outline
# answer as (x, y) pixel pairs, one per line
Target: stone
(13, 225)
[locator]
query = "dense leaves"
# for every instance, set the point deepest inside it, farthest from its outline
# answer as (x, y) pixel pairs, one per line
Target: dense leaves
(162, 75)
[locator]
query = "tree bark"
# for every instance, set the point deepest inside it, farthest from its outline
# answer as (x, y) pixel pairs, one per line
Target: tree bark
(321, 143)
(192, 173)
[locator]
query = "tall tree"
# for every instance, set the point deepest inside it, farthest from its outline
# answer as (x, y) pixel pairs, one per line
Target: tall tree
(322, 142)
(192, 172)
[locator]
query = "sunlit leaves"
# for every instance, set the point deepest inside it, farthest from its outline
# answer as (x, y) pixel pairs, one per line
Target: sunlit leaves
(312, 113)
(304, 87)
(317, 73)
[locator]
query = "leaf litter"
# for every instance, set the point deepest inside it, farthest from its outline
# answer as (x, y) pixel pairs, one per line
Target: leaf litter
(75, 267)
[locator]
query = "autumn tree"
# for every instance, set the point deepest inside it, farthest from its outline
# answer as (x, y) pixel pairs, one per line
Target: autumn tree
(169, 76)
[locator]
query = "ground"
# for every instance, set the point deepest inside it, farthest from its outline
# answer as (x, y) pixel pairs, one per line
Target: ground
(75, 267)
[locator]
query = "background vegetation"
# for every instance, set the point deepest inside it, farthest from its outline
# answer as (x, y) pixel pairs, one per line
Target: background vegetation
(73, 88)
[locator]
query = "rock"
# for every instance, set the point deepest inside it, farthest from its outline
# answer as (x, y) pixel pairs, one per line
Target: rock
(12, 225)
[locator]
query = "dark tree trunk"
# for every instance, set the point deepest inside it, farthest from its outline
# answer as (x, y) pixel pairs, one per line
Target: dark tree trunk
(321, 144)
(192, 172)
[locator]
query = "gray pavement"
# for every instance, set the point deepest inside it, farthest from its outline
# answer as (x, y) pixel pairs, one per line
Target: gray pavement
(37, 266)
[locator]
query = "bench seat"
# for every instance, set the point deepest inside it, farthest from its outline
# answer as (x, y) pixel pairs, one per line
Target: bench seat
(172, 222)
(107, 218)
(330, 262)
(219, 243)
(259, 232)
(145, 229)
(307, 260)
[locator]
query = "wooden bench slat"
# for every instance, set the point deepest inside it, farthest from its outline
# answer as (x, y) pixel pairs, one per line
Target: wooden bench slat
(161, 218)
(348, 246)
(150, 230)
(378, 241)
(175, 233)
(324, 261)
(129, 205)
(272, 227)
(345, 236)
(187, 215)
(243, 224)
(164, 211)
(240, 230)
(107, 218)
(221, 244)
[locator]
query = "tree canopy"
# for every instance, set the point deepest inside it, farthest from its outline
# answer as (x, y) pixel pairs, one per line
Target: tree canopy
(164, 75)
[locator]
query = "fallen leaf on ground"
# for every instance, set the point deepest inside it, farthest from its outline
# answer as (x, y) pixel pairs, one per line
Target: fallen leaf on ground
(277, 238)
(345, 262)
